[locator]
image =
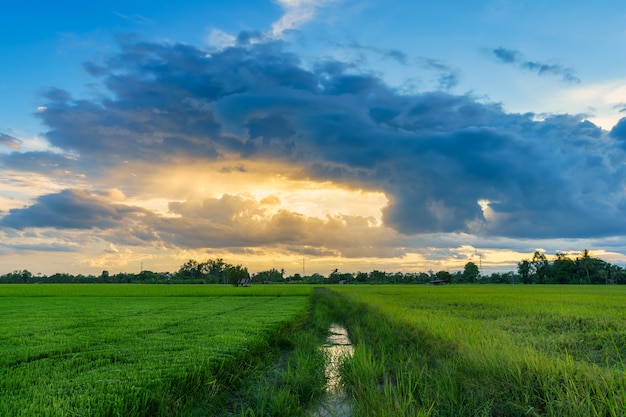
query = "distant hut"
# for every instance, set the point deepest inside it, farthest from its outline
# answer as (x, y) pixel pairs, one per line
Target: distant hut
(244, 282)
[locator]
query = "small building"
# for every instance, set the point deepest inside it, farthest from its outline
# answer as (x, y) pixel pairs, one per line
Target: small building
(437, 282)
(244, 282)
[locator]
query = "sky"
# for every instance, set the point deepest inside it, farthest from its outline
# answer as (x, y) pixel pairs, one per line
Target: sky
(310, 135)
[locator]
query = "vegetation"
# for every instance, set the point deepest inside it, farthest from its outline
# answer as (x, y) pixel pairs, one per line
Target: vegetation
(137, 350)
(564, 270)
(484, 350)
(191, 350)
(584, 269)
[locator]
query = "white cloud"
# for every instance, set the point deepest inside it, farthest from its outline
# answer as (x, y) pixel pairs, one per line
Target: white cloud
(603, 101)
(220, 39)
(297, 13)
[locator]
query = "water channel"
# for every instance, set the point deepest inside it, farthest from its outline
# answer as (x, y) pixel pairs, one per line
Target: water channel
(337, 347)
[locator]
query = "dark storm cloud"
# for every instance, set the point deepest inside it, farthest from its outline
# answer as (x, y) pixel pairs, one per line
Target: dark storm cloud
(69, 209)
(619, 132)
(510, 56)
(435, 155)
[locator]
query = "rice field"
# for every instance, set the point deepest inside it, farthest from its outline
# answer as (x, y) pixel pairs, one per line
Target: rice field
(187, 350)
(107, 350)
(487, 350)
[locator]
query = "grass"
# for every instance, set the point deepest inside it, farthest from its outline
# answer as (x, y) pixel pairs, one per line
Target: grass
(135, 350)
(149, 290)
(196, 350)
(485, 350)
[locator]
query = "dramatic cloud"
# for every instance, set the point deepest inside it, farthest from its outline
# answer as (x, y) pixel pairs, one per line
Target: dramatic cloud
(446, 163)
(235, 221)
(619, 132)
(227, 222)
(69, 209)
(509, 56)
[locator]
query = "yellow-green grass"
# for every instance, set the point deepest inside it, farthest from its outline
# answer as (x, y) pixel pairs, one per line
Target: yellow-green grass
(106, 350)
(486, 350)
(149, 290)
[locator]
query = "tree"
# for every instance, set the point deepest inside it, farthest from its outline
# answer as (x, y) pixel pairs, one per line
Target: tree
(337, 277)
(444, 276)
(190, 270)
(590, 269)
(361, 276)
(563, 269)
(470, 272)
(584, 263)
(613, 274)
(523, 269)
(540, 268)
(422, 277)
(315, 278)
(236, 274)
(398, 277)
(271, 275)
(378, 277)
(508, 277)
(26, 275)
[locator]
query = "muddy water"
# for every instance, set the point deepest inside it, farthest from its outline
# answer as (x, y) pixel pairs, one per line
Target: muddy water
(337, 347)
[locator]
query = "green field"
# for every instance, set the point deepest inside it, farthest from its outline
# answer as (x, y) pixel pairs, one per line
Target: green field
(487, 350)
(198, 350)
(82, 350)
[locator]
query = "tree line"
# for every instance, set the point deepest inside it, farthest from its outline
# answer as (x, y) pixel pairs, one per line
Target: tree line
(584, 269)
(213, 271)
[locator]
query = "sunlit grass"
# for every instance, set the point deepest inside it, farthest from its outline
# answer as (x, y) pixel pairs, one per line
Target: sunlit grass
(475, 350)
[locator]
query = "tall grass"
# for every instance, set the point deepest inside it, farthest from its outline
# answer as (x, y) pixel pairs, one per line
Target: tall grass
(488, 351)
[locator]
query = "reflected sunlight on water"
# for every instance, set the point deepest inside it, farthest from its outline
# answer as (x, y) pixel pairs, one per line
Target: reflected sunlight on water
(335, 402)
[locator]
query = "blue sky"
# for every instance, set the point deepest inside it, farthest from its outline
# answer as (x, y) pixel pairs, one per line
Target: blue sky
(359, 135)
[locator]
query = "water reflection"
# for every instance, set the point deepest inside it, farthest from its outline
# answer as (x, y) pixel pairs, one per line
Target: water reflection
(337, 347)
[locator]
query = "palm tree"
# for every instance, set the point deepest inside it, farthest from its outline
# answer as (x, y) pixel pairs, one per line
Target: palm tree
(585, 262)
